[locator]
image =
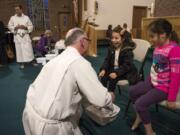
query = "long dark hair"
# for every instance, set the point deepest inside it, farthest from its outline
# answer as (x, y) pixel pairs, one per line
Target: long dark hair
(161, 26)
(117, 30)
(174, 37)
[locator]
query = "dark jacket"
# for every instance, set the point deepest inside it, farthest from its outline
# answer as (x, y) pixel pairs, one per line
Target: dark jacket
(3, 55)
(2, 34)
(126, 68)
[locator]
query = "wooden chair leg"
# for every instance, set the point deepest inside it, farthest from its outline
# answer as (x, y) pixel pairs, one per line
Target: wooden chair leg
(157, 108)
(127, 108)
(119, 89)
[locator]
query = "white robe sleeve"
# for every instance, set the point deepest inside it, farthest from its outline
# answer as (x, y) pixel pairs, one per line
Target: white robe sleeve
(90, 87)
(11, 25)
(29, 25)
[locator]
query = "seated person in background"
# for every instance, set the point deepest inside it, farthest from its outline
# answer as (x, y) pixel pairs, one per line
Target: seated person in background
(125, 28)
(119, 26)
(163, 82)
(60, 45)
(118, 64)
(45, 44)
(109, 32)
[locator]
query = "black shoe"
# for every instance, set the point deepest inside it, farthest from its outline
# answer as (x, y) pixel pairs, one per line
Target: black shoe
(130, 124)
(22, 66)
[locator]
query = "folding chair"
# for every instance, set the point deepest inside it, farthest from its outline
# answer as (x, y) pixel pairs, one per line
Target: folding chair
(164, 103)
(140, 54)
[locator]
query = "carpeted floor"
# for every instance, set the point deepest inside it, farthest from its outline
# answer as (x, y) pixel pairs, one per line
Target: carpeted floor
(14, 84)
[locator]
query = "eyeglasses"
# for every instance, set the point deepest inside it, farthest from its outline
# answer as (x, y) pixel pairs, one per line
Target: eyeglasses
(89, 40)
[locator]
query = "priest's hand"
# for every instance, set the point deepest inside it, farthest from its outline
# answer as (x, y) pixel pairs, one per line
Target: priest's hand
(171, 105)
(17, 27)
(113, 96)
(113, 75)
(102, 73)
(23, 27)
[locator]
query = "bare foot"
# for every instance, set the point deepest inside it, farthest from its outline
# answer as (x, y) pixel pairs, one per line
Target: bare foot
(149, 130)
(136, 123)
(153, 133)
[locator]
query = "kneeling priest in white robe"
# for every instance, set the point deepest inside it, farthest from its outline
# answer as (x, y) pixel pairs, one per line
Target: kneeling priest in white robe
(55, 97)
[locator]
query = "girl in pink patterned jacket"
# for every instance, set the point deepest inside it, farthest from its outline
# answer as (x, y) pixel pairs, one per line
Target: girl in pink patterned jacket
(164, 80)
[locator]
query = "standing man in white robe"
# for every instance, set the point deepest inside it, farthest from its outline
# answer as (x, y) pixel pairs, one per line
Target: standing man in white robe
(21, 26)
(54, 98)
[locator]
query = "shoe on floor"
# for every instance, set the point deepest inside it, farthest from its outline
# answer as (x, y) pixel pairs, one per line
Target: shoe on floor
(35, 64)
(2, 65)
(21, 66)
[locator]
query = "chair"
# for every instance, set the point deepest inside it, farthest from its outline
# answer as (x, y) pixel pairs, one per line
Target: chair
(140, 53)
(35, 40)
(163, 103)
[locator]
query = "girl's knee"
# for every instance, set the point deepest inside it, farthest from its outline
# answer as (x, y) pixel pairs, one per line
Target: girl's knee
(137, 106)
(140, 106)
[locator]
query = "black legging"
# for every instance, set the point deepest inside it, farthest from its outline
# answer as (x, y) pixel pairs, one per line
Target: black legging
(112, 82)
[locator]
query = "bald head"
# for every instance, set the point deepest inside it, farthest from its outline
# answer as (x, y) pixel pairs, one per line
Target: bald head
(73, 35)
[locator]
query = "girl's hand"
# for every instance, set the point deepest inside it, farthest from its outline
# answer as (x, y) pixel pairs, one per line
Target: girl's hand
(113, 75)
(102, 73)
(171, 105)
